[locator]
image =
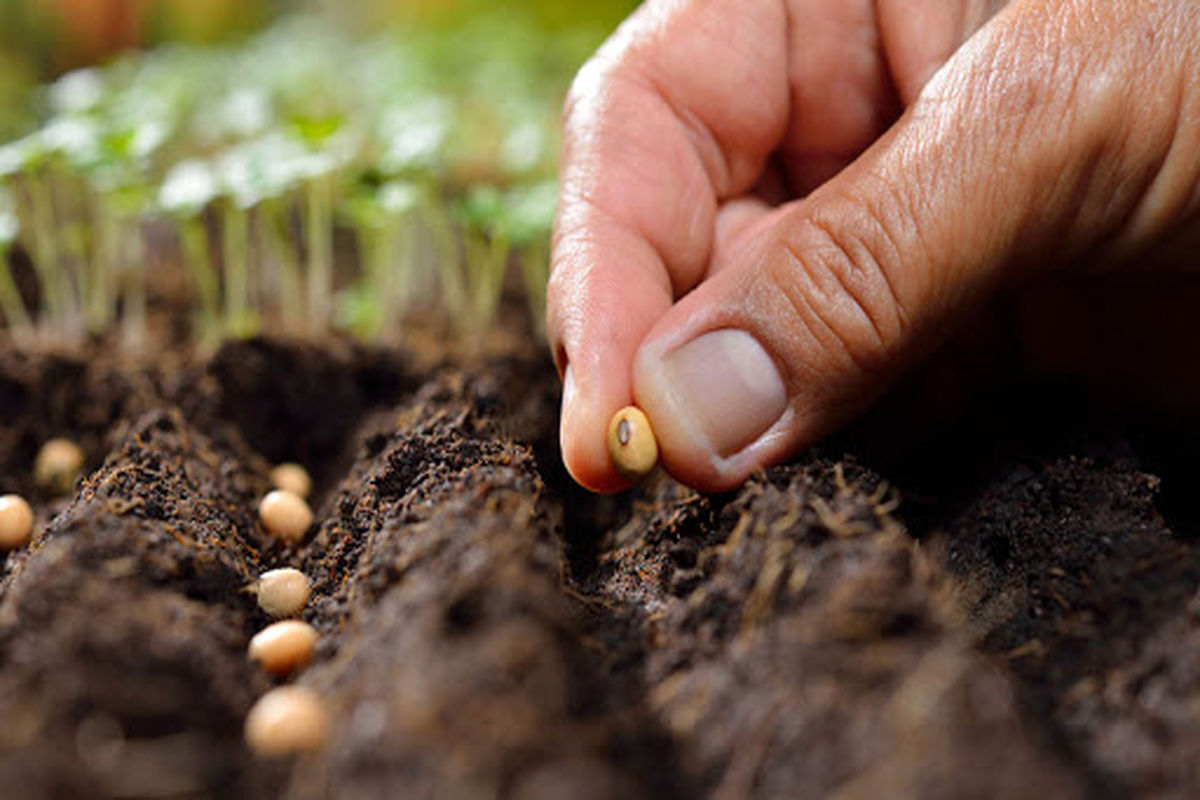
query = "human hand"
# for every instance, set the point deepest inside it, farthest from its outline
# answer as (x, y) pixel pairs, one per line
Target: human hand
(769, 210)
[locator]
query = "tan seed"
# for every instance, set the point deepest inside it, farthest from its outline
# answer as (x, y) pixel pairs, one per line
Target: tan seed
(292, 478)
(57, 466)
(285, 515)
(631, 444)
(282, 592)
(16, 521)
(286, 721)
(284, 647)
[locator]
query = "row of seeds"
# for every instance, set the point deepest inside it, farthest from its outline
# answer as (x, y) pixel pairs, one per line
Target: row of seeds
(288, 719)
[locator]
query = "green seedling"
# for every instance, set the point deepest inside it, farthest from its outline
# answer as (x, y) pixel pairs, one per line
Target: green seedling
(20, 325)
(486, 252)
(188, 190)
(266, 142)
(384, 222)
(529, 220)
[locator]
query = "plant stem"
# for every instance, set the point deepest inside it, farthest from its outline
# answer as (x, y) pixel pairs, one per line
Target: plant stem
(20, 326)
(535, 267)
(273, 228)
(133, 252)
(319, 225)
(197, 259)
(56, 293)
(449, 266)
(492, 258)
(235, 236)
(106, 253)
(394, 269)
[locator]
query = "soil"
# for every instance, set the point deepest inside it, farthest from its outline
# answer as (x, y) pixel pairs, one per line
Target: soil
(1008, 609)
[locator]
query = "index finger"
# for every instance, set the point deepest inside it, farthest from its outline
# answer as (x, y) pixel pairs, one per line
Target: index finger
(677, 112)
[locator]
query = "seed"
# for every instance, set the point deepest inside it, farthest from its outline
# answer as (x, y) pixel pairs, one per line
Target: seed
(292, 478)
(286, 721)
(57, 466)
(284, 647)
(16, 521)
(285, 515)
(631, 444)
(282, 592)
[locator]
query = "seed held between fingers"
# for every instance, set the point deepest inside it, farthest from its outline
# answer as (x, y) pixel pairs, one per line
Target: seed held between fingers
(284, 647)
(285, 515)
(292, 478)
(16, 522)
(57, 466)
(631, 444)
(286, 721)
(282, 592)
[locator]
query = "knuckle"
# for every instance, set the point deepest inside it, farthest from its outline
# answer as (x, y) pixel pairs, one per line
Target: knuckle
(839, 280)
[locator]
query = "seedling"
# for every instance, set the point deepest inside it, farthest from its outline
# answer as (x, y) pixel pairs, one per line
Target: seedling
(189, 188)
(631, 444)
(57, 466)
(20, 325)
(438, 161)
(285, 516)
(286, 721)
(16, 522)
(292, 478)
(282, 592)
(284, 647)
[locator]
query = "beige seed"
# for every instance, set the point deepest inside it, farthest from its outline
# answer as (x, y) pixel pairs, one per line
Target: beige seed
(285, 515)
(282, 592)
(16, 522)
(286, 721)
(57, 466)
(292, 478)
(284, 647)
(631, 444)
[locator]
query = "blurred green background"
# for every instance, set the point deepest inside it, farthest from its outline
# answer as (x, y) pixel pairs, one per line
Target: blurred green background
(41, 39)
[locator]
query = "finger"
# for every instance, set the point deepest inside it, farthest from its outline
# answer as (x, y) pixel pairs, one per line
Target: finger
(1018, 156)
(736, 220)
(676, 114)
(853, 65)
(842, 96)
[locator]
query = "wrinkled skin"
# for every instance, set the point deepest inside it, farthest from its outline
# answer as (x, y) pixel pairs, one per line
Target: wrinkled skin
(840, 187)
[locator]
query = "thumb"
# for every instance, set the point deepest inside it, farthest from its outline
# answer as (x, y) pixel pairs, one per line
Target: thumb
(1017, 157)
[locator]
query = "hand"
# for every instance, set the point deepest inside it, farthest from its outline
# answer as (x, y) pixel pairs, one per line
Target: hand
(769, 210)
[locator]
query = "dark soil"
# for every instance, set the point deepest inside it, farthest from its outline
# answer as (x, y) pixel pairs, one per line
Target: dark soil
(1021, 617)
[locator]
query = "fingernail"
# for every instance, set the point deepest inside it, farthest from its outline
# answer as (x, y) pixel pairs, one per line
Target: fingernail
(727, 386)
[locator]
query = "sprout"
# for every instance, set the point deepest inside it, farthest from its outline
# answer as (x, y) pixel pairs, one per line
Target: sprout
(285, 516)
(284, 647)
(245, 112)
(455, 134)
(16, 522)
(529, 219)
(189, 188)
(77, 139)
(631, 444)
(287, 721)
(383, 220)
(282, 592)
(414, 135)
(19, 323)
(524, 148)
(486, 256)
(57, 466)
(77, 91)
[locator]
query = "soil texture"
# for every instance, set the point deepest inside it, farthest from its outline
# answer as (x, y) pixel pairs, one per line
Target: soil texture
(1009, 610)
